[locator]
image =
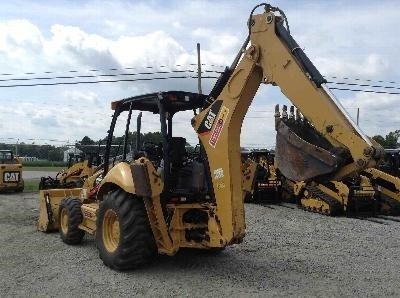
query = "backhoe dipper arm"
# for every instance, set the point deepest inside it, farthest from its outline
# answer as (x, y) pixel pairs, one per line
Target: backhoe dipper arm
(273, 57)
(284, 64)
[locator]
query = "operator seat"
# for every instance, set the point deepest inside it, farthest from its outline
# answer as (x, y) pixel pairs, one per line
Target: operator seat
(177, 151)
(177, 154)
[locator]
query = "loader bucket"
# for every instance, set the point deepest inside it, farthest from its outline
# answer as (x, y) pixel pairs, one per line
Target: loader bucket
(299, 160)
(49, 202)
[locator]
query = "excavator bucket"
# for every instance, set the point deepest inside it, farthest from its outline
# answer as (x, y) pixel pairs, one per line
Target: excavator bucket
(299, 160)
(49, 202)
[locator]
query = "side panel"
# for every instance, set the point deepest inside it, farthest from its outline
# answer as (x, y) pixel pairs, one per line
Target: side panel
(120, 175)
(139, 178)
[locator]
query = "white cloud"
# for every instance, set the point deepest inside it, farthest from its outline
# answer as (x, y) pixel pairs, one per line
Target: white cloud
(19, 41)
(341, 41)
(371, 66)
(156, 48)
(378, 113)
(79, 96)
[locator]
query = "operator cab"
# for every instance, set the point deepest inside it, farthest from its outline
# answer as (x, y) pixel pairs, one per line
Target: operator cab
(182, 172)
(7, 157)
(391, 162)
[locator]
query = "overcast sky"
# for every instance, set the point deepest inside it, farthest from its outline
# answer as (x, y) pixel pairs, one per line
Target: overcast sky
(352, 39)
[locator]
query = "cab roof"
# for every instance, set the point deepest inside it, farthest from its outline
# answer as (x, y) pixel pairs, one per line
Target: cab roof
(173, 101)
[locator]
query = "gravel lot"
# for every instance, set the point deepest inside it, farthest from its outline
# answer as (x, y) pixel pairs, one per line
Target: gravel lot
(287, 252)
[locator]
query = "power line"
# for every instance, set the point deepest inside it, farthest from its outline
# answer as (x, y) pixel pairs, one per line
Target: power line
(169, 77)
(22, 141)
(105, 75)
(108, 69)
(365, 85)
(366, 91)
(105, 81)
(167, 66)
(365, 80)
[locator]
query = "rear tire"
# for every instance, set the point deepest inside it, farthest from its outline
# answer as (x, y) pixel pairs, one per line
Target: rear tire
(70, 217)
(123, 234)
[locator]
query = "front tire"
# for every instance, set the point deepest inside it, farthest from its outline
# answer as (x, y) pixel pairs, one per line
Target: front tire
(70, 217)
(123, 234)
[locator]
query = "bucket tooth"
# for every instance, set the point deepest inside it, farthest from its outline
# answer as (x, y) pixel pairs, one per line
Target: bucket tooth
(291, 115)
(284, 112)
(277, 113)
(277, 116)
(298, 115)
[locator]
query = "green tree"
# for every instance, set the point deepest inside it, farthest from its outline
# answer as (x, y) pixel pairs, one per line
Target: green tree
(380, 140)
(87, 141)
(153, 137)
(87, 145)
(391, 139)
(55, 154)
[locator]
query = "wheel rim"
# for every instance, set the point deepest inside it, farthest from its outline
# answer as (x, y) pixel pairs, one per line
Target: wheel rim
(64, 221)
(111, 231)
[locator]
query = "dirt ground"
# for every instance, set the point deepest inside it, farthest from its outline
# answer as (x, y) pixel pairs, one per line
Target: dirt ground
(286, 252)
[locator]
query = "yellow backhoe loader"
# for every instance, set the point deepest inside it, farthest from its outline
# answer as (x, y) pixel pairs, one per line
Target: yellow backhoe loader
(162, 200)
(10, 172)
(79, 168)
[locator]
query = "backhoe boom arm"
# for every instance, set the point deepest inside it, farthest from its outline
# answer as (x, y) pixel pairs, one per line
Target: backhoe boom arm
(273, 57)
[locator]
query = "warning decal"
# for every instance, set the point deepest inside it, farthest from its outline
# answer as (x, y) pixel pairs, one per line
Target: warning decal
(223, 114)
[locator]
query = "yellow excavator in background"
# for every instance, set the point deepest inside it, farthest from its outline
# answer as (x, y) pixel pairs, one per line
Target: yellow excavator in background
(161, 200)
(266, 187)
(10, 172)
(386, 177)
(367, 192)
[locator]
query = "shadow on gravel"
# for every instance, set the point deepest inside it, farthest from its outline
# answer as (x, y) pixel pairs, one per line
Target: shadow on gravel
(229, 267)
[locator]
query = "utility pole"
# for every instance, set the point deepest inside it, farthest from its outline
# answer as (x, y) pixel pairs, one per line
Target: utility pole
(16, 147)
(198, 69)
(358, 115)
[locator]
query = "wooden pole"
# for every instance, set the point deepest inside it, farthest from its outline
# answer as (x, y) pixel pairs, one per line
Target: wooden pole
(358, 115)
(199, 69)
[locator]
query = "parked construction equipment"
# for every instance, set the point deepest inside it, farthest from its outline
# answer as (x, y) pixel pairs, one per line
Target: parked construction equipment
(266, 187)
(10, 172)
(162, 199)
(328, 179)
(79, 168)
